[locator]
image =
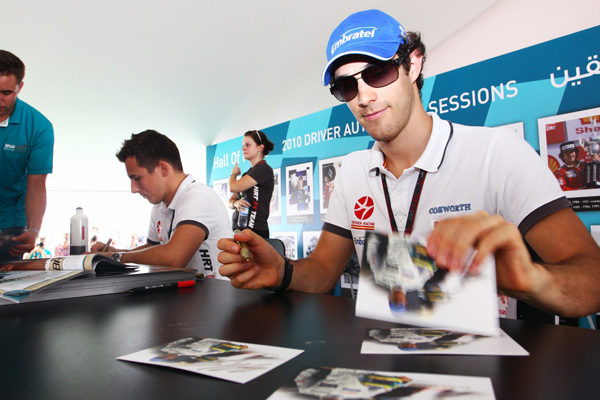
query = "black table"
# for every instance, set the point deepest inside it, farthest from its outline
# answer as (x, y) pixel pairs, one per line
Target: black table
(67, 348)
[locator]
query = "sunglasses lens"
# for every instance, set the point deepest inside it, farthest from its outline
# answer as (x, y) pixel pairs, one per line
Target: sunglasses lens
(376, 75)
(380, 75)
(345, 89)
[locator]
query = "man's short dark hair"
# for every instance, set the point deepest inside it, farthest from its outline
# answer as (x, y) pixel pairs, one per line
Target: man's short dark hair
(11, 65)
(149, 148)
(412, 42)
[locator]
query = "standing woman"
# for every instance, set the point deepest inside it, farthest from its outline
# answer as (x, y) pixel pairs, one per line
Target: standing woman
(254, 189)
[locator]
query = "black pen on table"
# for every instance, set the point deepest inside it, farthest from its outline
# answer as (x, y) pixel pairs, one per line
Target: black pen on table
(105, 248)
(169, 285)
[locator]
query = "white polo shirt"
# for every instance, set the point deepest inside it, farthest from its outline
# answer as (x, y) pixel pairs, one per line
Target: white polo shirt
(196, 204)
(472, 169)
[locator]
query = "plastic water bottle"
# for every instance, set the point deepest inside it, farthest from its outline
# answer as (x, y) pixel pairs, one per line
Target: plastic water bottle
(79, 232)
(243, 217)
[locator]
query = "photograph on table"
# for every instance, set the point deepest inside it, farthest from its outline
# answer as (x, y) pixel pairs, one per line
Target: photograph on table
(233, 361)
(571, 145)
(290, 241)
(299, 193)
(343, 383)
(275, 206)
(328, 169)
(399, 282)
(437, 341)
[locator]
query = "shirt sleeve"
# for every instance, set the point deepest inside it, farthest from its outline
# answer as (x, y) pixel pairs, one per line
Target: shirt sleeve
(261, 173)
(42, 149)
(525, 188)
(196, 209)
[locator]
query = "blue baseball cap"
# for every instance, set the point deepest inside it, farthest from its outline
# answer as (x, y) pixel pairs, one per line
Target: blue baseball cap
(371, 32)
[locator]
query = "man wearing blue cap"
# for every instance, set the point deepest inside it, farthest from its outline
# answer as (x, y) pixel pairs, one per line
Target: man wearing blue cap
(448, 183)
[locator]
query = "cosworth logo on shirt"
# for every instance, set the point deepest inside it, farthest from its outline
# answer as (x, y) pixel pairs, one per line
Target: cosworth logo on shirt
(363, 209)
(450, 208)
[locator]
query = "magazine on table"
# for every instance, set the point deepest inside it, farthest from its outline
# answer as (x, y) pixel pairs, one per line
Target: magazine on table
(86, 262)
(233, 361)
(142, 279)
(342, 383)
(400, 283)
(16, 286)
(82, 262)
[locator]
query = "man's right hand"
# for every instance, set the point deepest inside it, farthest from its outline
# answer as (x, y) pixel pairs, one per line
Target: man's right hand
(26, 243)
(99, 247)
(265, 268)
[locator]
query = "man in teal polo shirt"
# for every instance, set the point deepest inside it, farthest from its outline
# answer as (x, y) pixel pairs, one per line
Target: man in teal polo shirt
(26, 140)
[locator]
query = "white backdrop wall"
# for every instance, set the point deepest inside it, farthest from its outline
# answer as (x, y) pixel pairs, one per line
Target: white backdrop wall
(510, 25)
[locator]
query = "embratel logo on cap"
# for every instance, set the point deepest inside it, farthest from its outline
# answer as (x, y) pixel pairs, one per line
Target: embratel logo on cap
(354, 34)
(363, 209)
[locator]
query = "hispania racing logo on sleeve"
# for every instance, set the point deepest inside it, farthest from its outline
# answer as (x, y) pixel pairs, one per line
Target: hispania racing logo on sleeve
(363, 210)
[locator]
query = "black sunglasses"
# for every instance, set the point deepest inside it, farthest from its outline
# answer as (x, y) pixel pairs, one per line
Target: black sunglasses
(375, 75)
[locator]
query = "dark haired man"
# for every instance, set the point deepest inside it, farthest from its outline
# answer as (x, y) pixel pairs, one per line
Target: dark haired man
(188, 217)
(570, 174)
(27, 140)
(474, 195)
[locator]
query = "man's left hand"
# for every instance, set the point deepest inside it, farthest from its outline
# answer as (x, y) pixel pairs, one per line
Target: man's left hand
(28, 243)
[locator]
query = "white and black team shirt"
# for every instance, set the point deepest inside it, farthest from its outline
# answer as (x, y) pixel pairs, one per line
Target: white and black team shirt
(472, 169)
(196, 204)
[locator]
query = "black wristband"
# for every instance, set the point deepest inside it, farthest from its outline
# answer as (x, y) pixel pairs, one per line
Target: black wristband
(287, 277)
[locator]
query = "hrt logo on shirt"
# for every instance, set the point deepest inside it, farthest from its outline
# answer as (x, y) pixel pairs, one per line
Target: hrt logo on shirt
(206, 260)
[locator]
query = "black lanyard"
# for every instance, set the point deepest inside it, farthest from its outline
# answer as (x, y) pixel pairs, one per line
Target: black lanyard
(412, 211)
(414, 203)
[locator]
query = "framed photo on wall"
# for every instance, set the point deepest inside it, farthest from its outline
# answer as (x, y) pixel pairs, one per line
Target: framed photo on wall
(299, 193)
(290, 241)
(309, 242)
(221, 187)
(275, 207)
(516, 127)
(571, 145)
(328, 169)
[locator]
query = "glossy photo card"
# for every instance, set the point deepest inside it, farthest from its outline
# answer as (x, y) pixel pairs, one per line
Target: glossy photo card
(233, 361)
(438, 341)
(399, 283)
(342, 383)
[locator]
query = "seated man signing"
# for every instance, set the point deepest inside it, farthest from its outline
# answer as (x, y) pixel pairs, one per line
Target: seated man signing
(188, 217)
(418, 166)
